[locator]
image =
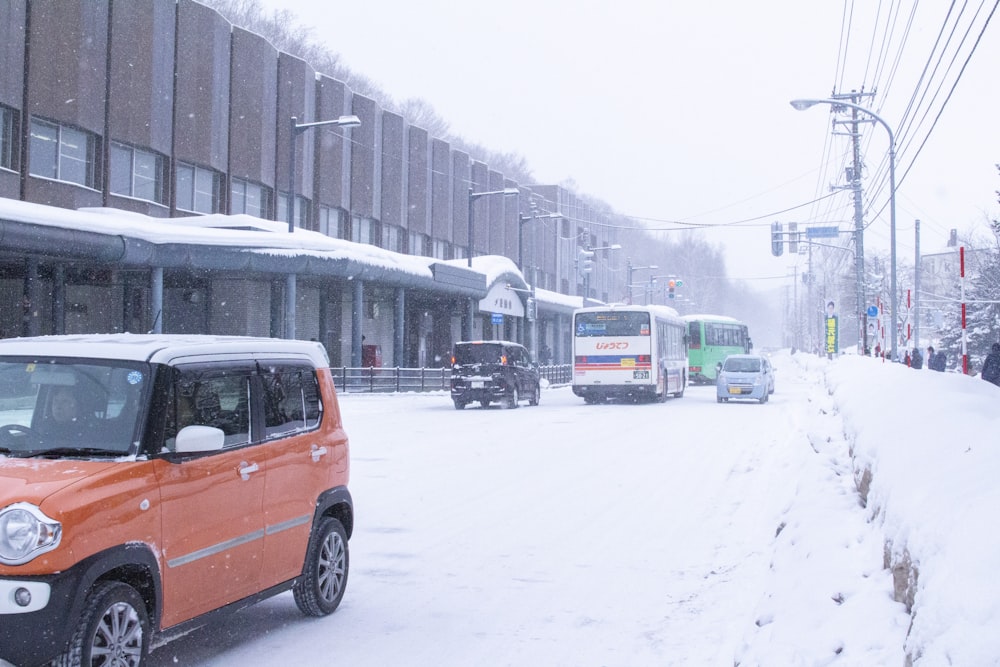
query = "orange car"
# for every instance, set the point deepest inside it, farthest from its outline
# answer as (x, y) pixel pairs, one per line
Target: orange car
(148, 482)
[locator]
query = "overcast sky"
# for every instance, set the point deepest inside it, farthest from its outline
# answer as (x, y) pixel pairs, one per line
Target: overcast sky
(677, 112)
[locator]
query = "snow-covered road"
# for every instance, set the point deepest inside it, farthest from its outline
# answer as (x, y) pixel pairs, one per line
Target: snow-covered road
(568, 534)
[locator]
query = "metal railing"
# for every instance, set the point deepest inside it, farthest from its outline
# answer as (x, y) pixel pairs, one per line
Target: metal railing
(397, 379)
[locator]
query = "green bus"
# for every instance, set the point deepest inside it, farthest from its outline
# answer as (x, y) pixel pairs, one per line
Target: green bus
(712, 338)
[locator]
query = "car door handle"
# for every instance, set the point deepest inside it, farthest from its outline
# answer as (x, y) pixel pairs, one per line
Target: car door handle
(246, 469)
(317, 453)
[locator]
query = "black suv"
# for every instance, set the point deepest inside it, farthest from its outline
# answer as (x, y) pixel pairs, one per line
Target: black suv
(493, 370)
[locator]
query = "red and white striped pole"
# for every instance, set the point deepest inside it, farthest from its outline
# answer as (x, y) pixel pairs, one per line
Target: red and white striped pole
(961, 282)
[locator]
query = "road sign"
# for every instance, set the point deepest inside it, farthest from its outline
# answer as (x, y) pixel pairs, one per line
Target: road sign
(822, 232)
(497, 318)
(872, 311)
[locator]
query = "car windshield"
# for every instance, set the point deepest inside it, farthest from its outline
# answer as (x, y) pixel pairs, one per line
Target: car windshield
(477, 354)
(742, 365)
(61, 407)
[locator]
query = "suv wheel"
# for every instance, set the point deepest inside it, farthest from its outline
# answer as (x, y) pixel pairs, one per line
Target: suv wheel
(324, 577)
(512, 398)
(536, 395)
(113, 628)
(459, 405)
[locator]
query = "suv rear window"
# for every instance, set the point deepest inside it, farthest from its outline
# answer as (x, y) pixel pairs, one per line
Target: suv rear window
(478, 354)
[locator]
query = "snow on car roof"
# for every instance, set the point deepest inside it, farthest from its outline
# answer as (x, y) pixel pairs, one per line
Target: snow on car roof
(157, 348)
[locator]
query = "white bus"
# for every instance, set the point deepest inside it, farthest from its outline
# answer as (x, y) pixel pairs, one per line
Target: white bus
(628, 352)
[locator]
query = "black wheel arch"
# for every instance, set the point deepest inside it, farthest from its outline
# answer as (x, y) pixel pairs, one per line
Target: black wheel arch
(336, 502)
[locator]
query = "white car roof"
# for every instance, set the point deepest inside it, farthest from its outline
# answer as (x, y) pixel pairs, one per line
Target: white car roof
(160, 348)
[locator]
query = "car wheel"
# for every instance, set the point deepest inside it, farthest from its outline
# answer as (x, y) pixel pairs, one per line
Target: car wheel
(512, 398)
(484, 404)
(324, 577)
(536, 396)
(763, 399)
(113, 628)
(459, 405)
(719, 399)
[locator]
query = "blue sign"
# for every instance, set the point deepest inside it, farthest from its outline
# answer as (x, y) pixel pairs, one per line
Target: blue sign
(822, 232)
(497, 318)
(872, 311)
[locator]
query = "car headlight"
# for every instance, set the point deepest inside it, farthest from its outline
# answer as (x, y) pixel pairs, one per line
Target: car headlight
(25, 532)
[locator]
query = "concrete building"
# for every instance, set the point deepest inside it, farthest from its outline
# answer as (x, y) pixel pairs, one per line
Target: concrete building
(165, 109)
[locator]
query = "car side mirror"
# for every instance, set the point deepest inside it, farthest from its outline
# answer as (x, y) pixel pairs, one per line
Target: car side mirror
(198, 438)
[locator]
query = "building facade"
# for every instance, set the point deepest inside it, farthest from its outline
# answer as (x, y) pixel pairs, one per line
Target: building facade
(165, 109)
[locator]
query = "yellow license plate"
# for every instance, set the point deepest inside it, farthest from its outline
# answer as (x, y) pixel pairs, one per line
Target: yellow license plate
(735, 390)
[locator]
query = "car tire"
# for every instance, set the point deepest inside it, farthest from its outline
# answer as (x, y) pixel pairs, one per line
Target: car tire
(484, 404)
(114, 622)
(536, 396)
(512, 398)
(763, 399)
(719, 399)
(459, 405)
(321, 586)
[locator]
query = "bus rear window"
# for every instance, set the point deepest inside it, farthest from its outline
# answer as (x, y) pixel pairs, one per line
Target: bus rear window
(612, 324)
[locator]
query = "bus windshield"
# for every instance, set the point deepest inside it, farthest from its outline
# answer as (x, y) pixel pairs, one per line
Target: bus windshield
(612, 324)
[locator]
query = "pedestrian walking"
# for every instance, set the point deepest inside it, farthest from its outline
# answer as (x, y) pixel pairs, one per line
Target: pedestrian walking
(991, 365)
(936, 361)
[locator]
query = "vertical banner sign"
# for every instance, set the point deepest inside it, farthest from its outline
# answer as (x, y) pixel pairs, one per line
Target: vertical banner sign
(832, 342)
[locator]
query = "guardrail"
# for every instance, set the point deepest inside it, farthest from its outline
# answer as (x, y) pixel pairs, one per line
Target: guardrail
(397, 379)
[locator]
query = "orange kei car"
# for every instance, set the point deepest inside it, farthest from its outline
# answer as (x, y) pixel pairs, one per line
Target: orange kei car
(149, 482)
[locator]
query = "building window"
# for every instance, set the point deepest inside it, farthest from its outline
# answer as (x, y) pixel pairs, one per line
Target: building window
(8, 138)
(250, 198)
(63, 153)
(138, 173)
(300, 212)
(365, 230)
(392, 238)
(333, 222)
(198, 189)
(442, 249)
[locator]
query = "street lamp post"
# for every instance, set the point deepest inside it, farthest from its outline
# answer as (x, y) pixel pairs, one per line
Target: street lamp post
(520, 233)
(652, 267)
(295, 129)
(586, 273)
(473, 196)
(801, 105)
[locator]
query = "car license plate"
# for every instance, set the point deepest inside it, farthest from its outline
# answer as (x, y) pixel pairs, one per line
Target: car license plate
(640, 375)
(478, 384)
(735, 390)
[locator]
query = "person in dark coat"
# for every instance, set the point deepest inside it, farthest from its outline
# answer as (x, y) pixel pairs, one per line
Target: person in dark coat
(991, 365)
(917, 359)
(936, 361)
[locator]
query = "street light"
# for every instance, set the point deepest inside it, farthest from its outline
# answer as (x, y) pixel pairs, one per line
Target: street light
(801, 105)
(295, 129)
(586, 272)
(652, 267)
(473, 196)
(520, 233)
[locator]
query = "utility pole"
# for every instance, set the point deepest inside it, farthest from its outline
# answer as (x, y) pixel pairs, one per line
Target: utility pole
(859, 222)
(916, 284)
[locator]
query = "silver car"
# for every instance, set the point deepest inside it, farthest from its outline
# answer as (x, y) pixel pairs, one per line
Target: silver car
(745, 376)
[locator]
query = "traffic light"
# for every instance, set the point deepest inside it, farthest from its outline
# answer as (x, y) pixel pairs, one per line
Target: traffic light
(777, 242)
(585, 261)
(793, 238)
(671, 284)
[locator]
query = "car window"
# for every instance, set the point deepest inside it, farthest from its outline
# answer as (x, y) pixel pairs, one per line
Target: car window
(477, 354)
(71, 404)
(742, 365)
(220, 401)
(291, 400)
